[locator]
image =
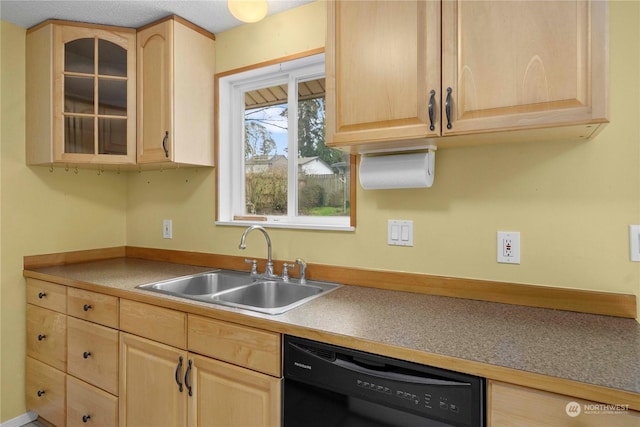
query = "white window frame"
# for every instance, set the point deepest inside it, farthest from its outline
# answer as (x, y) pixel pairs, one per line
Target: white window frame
(230, 156)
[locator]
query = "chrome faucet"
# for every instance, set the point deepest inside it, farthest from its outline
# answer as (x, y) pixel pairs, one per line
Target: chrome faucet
(269, 270)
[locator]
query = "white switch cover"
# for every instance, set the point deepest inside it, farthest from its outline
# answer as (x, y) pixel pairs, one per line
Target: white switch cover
(400, 233)
(509, 247)
(634, 242)
(167, 229)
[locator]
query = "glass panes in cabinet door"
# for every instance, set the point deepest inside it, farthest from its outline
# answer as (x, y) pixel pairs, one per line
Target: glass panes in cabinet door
(95, 97)
(112, 59)
(79, 56)
(79, 134)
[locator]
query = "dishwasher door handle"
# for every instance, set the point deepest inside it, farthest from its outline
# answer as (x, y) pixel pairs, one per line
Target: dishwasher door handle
(395, 376)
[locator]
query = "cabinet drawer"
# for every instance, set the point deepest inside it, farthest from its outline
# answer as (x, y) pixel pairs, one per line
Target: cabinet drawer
(47, 336)
(156, 323)
(46, 294)
(88, 405)
(92, 354)
(241, 345)
(93, 306)
(45, 388)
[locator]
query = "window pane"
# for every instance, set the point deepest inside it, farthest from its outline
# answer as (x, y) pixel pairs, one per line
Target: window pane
(323, 173)
(265, 151)
(112, 97)
(112, 59)
(78, 135)
(79, 56)
(78, 95)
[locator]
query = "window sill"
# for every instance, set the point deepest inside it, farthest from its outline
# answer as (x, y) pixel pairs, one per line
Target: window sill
(271, 224)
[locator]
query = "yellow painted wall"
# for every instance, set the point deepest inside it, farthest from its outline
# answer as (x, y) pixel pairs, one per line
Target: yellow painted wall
(40, 212)
(572, 202)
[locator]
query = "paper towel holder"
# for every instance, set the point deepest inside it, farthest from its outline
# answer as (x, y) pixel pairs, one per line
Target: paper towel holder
(384, 170)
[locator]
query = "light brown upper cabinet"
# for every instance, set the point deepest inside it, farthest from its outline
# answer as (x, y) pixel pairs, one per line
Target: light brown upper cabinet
(176, 67)
(81, 94)
(404, 74)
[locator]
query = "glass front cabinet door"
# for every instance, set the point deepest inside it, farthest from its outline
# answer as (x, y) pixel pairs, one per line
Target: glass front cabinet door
(81, 95)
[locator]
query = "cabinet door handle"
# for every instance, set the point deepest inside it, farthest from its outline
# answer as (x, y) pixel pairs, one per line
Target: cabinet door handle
(86, 418)
(177, 374)
(87, 307)
(432, 105)
(448, 107)
(40, 393)
(164, 144)
(41, 337)
(42, 295)
(186, 377)
(86, 354)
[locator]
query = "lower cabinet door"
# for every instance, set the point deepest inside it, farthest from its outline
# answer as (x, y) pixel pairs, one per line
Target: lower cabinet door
(88, 405)
(152, 390)
(230, 396)
(45, 390)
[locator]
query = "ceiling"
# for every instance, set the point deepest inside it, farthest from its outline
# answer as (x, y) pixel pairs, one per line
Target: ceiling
(212, 15)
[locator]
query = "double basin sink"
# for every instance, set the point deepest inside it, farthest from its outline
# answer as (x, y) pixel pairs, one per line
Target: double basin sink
(239, 289)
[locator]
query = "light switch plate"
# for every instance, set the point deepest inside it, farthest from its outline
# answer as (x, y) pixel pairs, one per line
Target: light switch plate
(400, 232)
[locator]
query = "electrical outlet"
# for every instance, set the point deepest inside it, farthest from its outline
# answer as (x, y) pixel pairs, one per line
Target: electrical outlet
(167, 229)
(634, 242)
(509, 247)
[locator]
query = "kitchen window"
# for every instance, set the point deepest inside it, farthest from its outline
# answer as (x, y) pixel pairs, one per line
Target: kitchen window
(273, 166)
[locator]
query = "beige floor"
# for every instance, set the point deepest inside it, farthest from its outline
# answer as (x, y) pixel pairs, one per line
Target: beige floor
(34, 424)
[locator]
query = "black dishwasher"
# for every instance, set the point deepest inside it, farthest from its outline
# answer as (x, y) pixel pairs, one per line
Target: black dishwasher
(330, 386)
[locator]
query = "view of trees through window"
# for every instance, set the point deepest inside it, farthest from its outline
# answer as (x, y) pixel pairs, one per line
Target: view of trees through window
(323, 182)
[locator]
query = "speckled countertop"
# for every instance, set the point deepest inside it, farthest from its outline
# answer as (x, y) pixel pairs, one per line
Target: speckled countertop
(585, 348)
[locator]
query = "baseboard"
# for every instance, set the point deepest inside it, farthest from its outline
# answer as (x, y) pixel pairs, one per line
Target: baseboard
(20, 420)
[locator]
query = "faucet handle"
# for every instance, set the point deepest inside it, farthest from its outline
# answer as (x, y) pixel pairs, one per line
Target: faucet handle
(303, 270)
(254, 265)
(285, 271)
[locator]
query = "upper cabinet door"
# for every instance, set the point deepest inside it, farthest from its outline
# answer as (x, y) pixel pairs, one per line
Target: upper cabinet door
(382, 62)
(81, 94)
(176, 67)
(524, 64)
(155, 97)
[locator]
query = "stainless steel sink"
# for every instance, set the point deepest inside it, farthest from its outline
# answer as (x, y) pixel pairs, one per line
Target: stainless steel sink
(238, 289)
(207, 283)
(271, 296)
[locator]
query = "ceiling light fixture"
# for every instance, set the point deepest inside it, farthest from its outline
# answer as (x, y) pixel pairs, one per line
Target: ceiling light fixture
(248, 10)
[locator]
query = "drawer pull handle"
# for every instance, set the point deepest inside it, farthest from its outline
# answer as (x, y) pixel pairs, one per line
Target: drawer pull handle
(42, 295)
(186, 377)
(177, 375)
(86, 354)
(86, 418)
(40, 393)
(87, 307)
(41, 337)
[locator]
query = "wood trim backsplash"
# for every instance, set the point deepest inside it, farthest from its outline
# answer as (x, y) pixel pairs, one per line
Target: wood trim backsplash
(584, 301)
